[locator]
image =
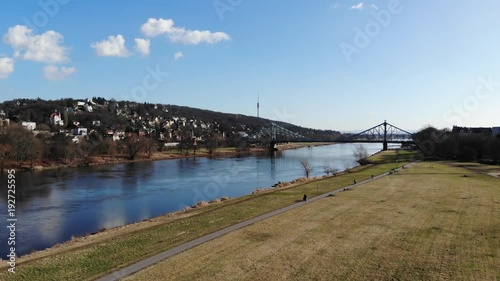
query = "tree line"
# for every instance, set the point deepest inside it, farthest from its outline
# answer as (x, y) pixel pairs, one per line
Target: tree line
(19, 147)
(450, 145)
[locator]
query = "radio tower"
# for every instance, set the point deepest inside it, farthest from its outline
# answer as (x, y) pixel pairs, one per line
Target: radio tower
(258, 105)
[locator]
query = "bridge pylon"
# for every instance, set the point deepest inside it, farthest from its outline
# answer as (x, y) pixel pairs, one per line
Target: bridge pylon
(384, 133)
(385, 136)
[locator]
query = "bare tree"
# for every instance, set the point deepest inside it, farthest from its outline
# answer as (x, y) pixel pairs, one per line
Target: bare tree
(212, 142)
(195, 146)
(308, 168)
(134, 145)
(4, 152)
(86, 148)
(25, 147)
(150, 146)
(328, 169)
(360, 154)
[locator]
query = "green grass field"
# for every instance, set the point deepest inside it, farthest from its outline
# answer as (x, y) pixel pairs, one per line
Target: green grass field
(425, 222)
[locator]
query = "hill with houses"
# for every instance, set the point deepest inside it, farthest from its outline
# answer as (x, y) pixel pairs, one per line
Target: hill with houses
(114, 119)
(74, 132)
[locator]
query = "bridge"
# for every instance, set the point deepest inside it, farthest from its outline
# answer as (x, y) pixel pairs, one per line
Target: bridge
(277, 134)
(384, 133)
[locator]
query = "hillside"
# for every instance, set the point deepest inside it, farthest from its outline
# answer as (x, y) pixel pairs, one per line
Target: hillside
(84, 132)
(102, 115)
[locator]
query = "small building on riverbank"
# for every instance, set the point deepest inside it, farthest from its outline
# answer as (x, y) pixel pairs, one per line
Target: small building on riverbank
(80, 132)
(29, 125)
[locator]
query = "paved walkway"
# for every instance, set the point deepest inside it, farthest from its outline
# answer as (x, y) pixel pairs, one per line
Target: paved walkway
(188, 245)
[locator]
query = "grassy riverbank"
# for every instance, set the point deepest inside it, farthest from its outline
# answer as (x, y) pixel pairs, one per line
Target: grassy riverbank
(430, 221)
(113, 249)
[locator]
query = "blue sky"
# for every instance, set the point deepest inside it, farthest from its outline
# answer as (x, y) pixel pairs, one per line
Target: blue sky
(342, 65)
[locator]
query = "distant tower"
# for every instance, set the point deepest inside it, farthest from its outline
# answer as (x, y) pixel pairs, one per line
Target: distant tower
(258, 105)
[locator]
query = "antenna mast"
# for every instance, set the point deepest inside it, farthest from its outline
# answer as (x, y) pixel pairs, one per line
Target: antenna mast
(258, 105)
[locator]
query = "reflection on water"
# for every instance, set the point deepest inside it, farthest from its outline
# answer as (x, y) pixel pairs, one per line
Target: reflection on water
(52, 206)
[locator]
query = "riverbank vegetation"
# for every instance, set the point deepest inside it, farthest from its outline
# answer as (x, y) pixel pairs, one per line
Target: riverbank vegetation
(108, 252)
(461, 144)
(21, 149)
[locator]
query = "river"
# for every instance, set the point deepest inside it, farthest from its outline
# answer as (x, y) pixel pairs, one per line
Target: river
(54, 205)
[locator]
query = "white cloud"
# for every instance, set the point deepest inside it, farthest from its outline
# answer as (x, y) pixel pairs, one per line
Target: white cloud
(155, 27)
(6, 67)
(178, 55)
(52, 72)
(358, 6)
(142, 46)
(41, 48)
(362, 5)
(114, 46)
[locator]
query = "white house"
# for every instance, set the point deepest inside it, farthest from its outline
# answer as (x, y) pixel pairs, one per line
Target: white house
(80, 132)
(243, 134)
(171, 144)
(55, 119)
(29, 125)
(88, 108)
(118, 135)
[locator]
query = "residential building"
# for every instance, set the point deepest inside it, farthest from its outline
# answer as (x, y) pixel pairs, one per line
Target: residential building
(471, 130)
(29, 125)
(88, 108)
(118, 135)
(56, 120)
(80, 132)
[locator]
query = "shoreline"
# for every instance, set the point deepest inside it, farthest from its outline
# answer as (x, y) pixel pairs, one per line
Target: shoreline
(102, 235)
(158, 156)
(297, 145)
(84, 240)
(91, 238)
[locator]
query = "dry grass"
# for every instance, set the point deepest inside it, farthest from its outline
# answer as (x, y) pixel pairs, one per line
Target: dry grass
(427, 222)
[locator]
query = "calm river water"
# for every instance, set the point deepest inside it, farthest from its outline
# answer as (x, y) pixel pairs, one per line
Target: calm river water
(53, 206)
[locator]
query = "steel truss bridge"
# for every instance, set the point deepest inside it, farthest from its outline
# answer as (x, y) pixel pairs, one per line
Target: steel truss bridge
(277, 134)
(384, 133)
